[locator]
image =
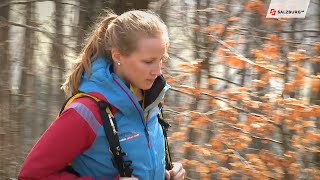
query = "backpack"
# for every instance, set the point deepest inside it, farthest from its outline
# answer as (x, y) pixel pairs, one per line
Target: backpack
(111, 132)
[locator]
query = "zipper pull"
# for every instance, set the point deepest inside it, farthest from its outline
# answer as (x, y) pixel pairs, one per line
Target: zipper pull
(147, 134)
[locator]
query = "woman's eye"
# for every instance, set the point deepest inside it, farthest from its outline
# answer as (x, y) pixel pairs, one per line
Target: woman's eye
(148, 62)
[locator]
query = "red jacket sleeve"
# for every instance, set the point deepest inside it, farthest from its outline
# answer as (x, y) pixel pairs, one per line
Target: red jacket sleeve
(67, 136)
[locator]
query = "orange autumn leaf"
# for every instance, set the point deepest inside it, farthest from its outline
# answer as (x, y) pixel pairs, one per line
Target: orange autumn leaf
(274, 39)
(246, 139)
(308, 124)
(271, 51)
(317, 47)
(194, 115)
(305, 141)
(259, 68)
(186, 146)
(221, 157)
(298, 83)
(192, 70)
(244, 127)
(194, 163)
(205, 152)
(267, 76)
(315, 84)
(294, 169)
(220, 52)
(301, 72)
(197, 63)
(210, 37)
(213, 167)
(230, 33)
(233, 18)
(295, 140)
(277, 117)
(212, 81)
(258, 54)
(259, 5)
(230, 42)
(316, 110)
(231, 119)
(221, 7)
(290, 154)
(209, 28)
(178, 135)
(235, 61)
(307, 113)
(183, 65)
(195, 26)
(258, 83)
(219, 29)
(201, 121)
(202, 169)
(250, 157)
(313, 136)
(249, 5)
(288, 87)
(233, 133)
(216, 144)
(295, 56)
(205, 175)
(315, 59)
(170, 79)
(240, 145)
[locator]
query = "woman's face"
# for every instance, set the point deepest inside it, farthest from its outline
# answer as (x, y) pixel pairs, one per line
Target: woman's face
(142, 67)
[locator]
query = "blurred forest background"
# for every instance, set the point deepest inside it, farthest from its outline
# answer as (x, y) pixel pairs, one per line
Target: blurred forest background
(245, 91)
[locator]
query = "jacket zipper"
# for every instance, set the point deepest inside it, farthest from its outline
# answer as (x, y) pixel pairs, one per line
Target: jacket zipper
(144, 122)
(141, 116)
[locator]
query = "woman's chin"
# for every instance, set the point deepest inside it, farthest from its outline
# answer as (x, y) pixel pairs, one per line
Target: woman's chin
(146, 87)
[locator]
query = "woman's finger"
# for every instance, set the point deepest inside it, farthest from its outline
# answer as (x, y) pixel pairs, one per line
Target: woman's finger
(180, 175)
(167, 175)
(176, 167)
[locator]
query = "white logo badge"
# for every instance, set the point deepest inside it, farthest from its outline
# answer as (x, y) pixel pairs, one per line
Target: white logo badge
(288, 9)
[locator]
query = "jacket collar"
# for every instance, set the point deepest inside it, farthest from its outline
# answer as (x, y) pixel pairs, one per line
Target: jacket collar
(104, 81)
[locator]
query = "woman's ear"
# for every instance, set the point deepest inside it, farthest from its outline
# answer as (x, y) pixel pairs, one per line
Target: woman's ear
(116, 56)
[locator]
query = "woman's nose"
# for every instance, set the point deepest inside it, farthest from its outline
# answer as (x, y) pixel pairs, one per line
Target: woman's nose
(156, 71)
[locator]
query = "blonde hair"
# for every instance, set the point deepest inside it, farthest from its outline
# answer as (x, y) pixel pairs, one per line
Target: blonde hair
(113, 31)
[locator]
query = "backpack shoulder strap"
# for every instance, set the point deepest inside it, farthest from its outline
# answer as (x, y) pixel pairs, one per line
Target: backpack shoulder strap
(76, 96)
(110, 130)
(165, 126)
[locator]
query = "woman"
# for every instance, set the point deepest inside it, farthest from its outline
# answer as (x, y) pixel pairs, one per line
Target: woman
(121, 64)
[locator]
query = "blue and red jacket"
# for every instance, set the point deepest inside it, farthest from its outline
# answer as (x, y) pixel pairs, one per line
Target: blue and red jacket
(77, 136)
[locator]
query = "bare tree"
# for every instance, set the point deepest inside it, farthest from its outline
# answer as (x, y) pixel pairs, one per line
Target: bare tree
(27, 102)
(4, 90)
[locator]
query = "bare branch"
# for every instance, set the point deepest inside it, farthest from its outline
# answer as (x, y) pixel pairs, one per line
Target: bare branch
(242, 58)
(226, 80)
(32, 1)
(187, 113)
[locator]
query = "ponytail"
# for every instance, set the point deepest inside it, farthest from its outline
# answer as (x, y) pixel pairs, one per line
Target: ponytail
(95, 45)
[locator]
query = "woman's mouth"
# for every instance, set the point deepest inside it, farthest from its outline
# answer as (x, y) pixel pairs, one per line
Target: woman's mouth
(150, 80)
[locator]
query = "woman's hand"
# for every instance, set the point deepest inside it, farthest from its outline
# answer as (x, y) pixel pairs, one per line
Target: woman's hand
(176, 173)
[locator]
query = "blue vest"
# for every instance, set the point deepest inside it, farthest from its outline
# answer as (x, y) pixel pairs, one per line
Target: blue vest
(146, 153)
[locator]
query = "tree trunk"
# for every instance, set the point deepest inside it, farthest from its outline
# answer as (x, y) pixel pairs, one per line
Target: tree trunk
(121, 6)
(27, 84)
(58, 50)
(56, 68)
(194, 105)
(86, 19)
(4, 92)
(315, 96)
